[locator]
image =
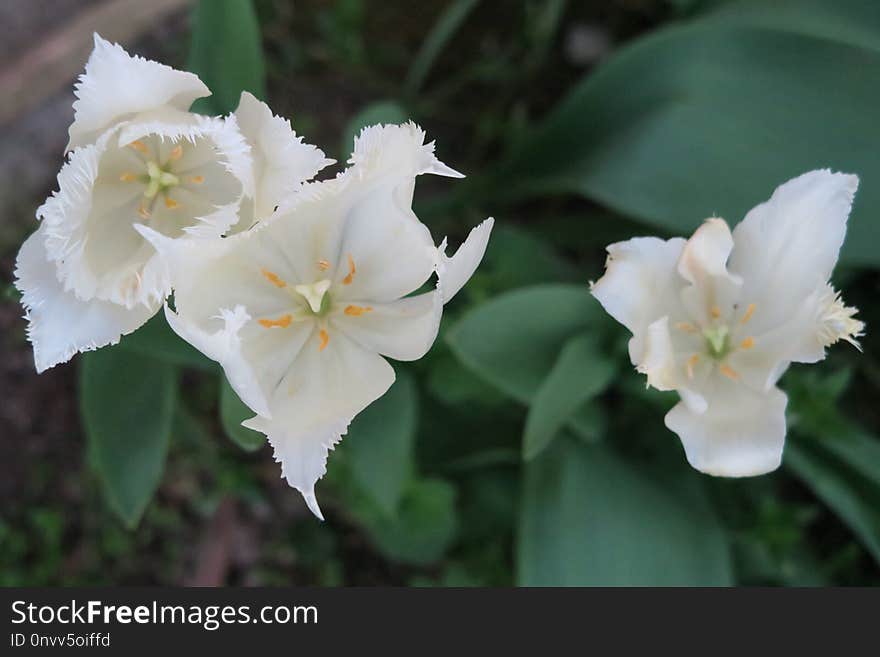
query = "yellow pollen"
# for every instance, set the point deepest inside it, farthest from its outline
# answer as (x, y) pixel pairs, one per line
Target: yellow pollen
(728, 371)
(198, 180)
(127, 177)
(273, 278)
(687, 327)
(138, 145)
(748, 343)
(691, 364)
(170, 203)
(357, 311)
(749, 312)
(325, 338)
(176, 153)
(716, 312)
(351, 271)
(282, 322)
(323, 265)
(143, 212)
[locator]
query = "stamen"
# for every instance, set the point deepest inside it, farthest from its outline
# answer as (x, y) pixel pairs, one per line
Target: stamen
(687, 327)
(749, 312)
(351, 271)
(143, 212)
(323, 265)
(357, 311)
(176, 153)
(325, 338)
(715, 311)
(748, 343)
(282, 322)
(170, 203)
(138, 145)
(198, 180)
(728, 371)
(691, 364)
(127, 177)
(273, 278)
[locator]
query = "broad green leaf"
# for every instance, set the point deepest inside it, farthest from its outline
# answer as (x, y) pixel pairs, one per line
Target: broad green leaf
(233, 412)
(155, 339)
(509, 248)
(424, 526)
(589, 518)
(127, 404)
(853, 498)
(708, 117)
(513, 340)
(582, 371)
(384, 111)
(226, 53)
(379, 444)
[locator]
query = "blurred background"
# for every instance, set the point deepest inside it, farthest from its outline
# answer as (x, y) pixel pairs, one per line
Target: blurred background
(523, 449)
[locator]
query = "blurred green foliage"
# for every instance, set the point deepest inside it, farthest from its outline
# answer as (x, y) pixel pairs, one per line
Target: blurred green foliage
(523, 449)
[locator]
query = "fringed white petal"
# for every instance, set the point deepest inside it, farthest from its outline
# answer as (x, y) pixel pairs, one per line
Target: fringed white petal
(457, 270)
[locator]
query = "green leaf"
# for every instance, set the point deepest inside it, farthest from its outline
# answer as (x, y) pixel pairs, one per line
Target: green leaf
(591, 519)
(384, 111)
(379, 444)
(155, 339)
(853, 498)
(708, 117)
(233, 412)
(513, 340)
(127, 404)
(581, 372)
(509, 248)
(226, 53)
(424, 526)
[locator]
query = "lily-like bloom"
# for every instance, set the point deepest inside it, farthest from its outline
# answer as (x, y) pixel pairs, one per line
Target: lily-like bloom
(87, 276)
(719, 317)
(282, 162)
(301, 309)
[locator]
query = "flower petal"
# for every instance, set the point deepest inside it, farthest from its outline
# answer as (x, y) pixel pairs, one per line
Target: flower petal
(455, 271)
(60, 324)
(282, 161)
(116, 86)
(740, 434)
(402, 330)
(786, 248)
(703, 264)
(315, 403)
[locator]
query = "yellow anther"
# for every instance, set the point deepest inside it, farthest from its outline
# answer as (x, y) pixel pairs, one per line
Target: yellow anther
(748, 343)
(138, 145)
(715, 311)
(176, 153)
(282, 322)
(273, 278)
(127, 177)
(357, 311)
(749, 312)
(728, 371)
(198, 180)
(170, 203)
(325, 338)
(687, 327)
(323, 265)
(691, 364)
(351, 271)
(143, 212)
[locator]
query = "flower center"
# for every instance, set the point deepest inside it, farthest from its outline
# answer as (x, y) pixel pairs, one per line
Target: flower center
(316, 294)
(158, 180)
(717, 341)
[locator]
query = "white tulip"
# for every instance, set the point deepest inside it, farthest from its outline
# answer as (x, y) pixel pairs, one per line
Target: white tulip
(301, 309)
(719, 317)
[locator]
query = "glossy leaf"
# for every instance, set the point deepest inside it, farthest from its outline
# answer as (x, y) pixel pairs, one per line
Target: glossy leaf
(155, 339)
(127, 403)
(590, 518)
(227, 53)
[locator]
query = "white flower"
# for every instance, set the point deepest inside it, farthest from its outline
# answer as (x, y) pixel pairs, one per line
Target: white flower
(282, 162)
(116, 86)
(720, 317)
(301, 309)
(180, 174)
